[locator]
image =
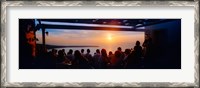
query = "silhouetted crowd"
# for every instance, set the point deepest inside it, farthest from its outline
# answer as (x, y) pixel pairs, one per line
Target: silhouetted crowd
(102, 59)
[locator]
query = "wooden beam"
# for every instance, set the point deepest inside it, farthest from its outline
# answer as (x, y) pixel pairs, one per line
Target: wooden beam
(43, 35)
(66, 27)
(43, 38)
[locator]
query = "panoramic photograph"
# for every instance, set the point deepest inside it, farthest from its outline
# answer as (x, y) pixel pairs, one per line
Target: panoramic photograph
(99, 43)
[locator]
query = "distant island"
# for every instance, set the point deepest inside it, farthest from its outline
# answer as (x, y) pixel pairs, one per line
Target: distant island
(58, 46)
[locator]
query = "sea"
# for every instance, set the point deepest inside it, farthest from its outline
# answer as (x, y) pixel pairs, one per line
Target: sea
(108, 48)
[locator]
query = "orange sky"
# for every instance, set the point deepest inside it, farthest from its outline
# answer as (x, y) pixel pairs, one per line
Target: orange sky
(90, 37)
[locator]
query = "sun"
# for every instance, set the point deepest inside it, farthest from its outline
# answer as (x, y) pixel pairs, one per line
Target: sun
(109, 37)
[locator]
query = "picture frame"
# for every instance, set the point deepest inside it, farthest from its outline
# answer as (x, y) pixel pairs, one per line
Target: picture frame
(4, 45)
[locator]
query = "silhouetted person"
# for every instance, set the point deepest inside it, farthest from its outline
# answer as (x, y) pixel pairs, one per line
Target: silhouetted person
(104, 59)
(70, 52)
(96, 58)
(88, 56)
(119, 49)
(148, 52)
(54, 53)
(147, 43)
(148, 48)
(122, 53)
(127, 52)
(82, 51)
(61, 56)
(127, 55)
(51, 58)
(26, 58)
(70, 55)
(110, 53)
(133, 60)
(117, 60)
(81, 61)
(63, 50)
(138, 49)
(110, 57)
(136, 55)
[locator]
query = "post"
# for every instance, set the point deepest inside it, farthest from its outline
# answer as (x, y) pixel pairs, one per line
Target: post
(43, 39)
(43, 36)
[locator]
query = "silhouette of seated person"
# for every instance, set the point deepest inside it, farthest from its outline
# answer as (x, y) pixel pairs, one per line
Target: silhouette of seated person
(121, 52)
(54, 53)
(110, 55)
(61, 57)
(96, 59)
(70, 55)
(138, 49)
(104, 59)
(80, 61)
(134, 59)
(127, 55)
(82, 52)
(63, 50)
(88, 56)
(117, 60)
(50, 59)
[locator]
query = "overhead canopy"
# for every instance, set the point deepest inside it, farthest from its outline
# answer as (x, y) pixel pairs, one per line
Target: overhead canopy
(100, 24)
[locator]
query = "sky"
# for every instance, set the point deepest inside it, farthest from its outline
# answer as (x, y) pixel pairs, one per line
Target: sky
(94, 37)
(89, 37)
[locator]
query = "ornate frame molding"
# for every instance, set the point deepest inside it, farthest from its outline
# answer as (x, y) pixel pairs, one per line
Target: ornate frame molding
(5, 4)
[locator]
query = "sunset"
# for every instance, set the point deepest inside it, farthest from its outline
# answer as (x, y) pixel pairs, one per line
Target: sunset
(100, 43)
(92, 38)
(110, 37)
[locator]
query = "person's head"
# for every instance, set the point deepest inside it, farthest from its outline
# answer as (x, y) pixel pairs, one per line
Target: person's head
(119, 49)
(97, 51)
(117, 54)
(63, 50)
(127, 51)
(82, 50)
(77, 54)
(103, 52)
(110, 53)
(60, 52)
(70, 51)
(146, 36)
(137, 43)
(53, 50)
(88, 50)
